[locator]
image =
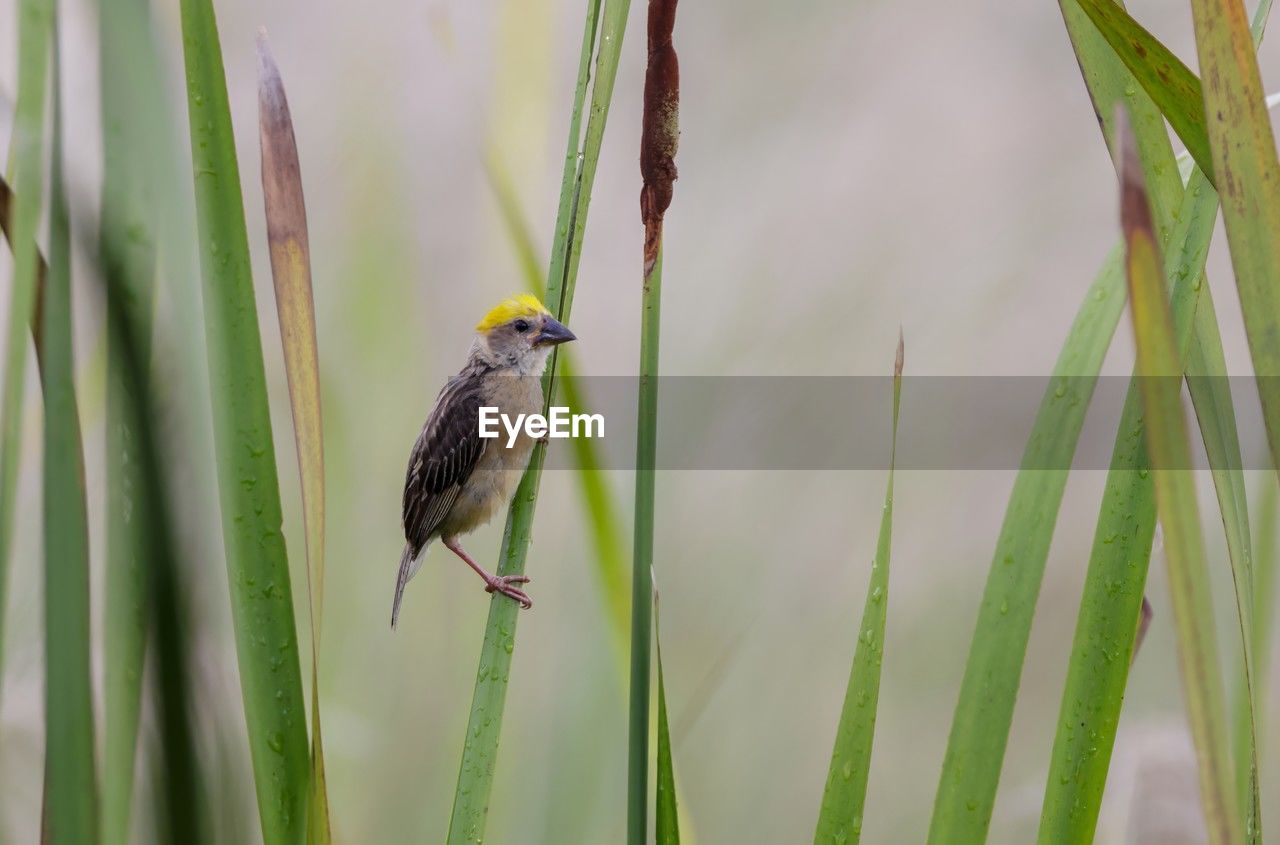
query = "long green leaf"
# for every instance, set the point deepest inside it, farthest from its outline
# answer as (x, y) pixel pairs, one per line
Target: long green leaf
(35, 22)
(1211, 394)
(286, 214)
(1105, 630)
(845, 795)
(1169, 449)
(130, 78)
(642, 555)
(984, 711)
(1244, 156)
(1249, 707)
(257, 567)
(666, 815)
(71, 811)
(980, 728)
(1110, 606)
(1206, 371)
(484, 725)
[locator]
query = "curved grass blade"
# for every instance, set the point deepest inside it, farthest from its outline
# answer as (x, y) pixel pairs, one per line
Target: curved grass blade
(666, 815)
(1167, 81)
(130, 72)
(1112, 599)
(291, 269)
(35, 22)
(257, 566)
(1243, 727)
(1106, 632)
(845, 795)
(70, 810)
(984, 711)
(484, 725)
(1169, 449)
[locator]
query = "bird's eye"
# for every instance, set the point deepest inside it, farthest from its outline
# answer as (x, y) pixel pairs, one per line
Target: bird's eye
(522, 326)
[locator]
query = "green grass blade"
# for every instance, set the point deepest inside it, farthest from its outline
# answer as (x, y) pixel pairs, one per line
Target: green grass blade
(71, 810)
(984, 711)
(257, 567)
(642, 556)
(845, 795)
(35, 22)
(484, 725)
(666, 815)
(1210, 389)
(291, 270)
(1168, 446)
(1111, 602)
(1246, 720)
(128, 67)
(1169, 83)
(1112, 599)
(1243, 148)
(597, 497)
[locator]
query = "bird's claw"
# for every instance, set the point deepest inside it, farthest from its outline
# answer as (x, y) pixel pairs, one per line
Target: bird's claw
(503, 584)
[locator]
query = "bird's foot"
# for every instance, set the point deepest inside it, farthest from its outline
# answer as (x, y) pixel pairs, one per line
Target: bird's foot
(504, 584)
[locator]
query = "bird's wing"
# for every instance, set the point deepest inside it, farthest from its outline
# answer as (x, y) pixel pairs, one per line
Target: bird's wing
(443, 458)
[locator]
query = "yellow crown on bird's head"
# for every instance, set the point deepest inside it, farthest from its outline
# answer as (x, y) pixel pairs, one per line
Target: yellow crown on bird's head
(520, 305)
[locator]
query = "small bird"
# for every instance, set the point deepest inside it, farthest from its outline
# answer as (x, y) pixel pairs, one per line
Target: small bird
(457, 480)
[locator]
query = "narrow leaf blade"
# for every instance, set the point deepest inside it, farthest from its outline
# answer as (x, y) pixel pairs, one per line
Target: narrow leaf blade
(666, 817)
(1169, 449)
(71, 809)
(1105, 639)
(845, 795)
(291, 270)
(249, 491)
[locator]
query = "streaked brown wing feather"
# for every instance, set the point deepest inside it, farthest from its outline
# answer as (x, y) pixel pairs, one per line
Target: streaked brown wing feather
(443, 458)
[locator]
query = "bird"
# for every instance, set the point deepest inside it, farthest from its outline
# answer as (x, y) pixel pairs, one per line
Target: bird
(457, 480)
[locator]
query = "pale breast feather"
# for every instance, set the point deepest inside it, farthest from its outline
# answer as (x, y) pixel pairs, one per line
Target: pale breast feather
(443, 458)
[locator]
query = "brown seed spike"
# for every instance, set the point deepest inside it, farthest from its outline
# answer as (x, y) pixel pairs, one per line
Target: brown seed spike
(660, 130)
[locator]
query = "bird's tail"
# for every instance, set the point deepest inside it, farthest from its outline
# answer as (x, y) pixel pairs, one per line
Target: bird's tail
(409, 566)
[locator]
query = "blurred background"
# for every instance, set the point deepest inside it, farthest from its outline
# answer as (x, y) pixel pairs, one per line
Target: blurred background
(845, 169)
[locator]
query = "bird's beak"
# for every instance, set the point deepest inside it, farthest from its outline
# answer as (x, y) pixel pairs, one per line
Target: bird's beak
(554, 332)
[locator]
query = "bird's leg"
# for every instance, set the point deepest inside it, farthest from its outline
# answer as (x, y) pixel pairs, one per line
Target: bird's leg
(493, 583)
